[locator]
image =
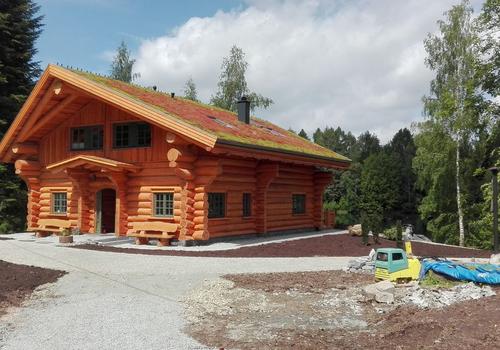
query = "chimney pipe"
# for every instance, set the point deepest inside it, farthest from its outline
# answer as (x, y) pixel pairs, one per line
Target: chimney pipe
(244, 110)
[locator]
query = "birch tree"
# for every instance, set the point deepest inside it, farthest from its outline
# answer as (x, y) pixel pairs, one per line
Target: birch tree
(190, 91)
(232, 84)
(452, 55)
(122, 65)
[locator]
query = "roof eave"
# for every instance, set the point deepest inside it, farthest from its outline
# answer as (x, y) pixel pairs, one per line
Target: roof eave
(300, 156)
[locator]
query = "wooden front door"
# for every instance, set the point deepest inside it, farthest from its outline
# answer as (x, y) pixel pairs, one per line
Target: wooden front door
(105, 211)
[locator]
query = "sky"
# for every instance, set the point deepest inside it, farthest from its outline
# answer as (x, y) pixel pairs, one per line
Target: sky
(357, 64)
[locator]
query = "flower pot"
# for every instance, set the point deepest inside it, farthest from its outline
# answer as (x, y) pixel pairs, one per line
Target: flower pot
(65, 239)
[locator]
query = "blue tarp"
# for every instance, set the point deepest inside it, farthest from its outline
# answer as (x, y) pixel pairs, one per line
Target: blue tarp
(480, 273)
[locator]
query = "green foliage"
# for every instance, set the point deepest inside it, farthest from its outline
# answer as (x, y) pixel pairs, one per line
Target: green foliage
(433, 280)
(303, 134)
(489, 67)
(399, 235)
(232, 84)
(121, 68)
(379, 190)
(20, 26)
(190, 91)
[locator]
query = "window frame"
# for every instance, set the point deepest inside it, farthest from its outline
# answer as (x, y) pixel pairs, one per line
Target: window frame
(246, 202)
(135, 131)
(166, 200)
(222, 213)
(58, 202)
(87, 137)
(294, 206)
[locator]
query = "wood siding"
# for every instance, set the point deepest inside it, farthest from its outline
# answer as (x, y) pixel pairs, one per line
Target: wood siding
(170, 164)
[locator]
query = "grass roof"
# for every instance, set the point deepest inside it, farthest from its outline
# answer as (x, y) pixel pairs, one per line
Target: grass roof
(222, 123)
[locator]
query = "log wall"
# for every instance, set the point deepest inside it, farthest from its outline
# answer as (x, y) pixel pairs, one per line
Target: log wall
(169, 165)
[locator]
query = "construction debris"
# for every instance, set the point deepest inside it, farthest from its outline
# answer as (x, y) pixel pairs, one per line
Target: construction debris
(437, 298)
(365, 264)
(381, 292)
(495, 259)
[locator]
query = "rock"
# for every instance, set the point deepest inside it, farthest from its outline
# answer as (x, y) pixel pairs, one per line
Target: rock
(371, 256)
(383, 297)
(382, 292)
(495, 259)
(355, 230)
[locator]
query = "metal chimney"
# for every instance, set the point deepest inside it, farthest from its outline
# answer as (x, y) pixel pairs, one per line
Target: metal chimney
(244, 110)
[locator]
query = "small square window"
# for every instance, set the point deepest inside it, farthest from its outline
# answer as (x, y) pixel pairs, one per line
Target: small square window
(247, 204)
(163, 204)
(216, 205)
(298, 203)
(59, 203)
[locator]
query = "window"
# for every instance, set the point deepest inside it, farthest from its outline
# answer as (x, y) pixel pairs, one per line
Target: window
(86, 138)
(163, 204)
(397, 256)
(298, 203)
(247, 204)
(131, 135)
(59, 203)
(382, 256)
(216, 205)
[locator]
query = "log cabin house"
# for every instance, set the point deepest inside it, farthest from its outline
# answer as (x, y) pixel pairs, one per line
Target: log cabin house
(104, 156)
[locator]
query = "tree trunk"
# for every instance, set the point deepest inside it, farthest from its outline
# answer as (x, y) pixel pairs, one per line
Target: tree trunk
(459, 199)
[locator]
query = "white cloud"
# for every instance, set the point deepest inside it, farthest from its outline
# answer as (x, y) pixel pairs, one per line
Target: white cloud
(354, 64)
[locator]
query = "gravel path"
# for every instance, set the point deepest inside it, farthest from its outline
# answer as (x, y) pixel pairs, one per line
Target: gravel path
(120, 301)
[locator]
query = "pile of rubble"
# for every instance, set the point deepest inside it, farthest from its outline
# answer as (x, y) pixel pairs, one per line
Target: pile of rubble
(424, 298)
(365, 264)
(437, 298)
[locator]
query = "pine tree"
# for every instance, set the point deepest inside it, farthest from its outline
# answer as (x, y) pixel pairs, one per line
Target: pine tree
(20, 26)
(303, 134)
(121, 68)
(190, 91)
(232, 84)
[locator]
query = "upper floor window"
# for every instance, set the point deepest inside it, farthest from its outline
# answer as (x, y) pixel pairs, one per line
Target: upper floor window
(247, 204)
(59, 203)
(86, 138)
(163, 204)
(216, 205)
(298, 203)
(131, 135)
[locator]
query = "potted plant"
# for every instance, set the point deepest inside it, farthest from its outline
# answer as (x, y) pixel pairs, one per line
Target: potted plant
(65, 236)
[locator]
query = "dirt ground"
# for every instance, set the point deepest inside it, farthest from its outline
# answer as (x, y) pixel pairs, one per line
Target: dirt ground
(19, 281)
(330, 245)
(327, 310)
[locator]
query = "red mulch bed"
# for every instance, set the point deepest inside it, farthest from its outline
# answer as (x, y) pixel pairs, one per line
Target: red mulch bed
(19, 281)
(331, 245)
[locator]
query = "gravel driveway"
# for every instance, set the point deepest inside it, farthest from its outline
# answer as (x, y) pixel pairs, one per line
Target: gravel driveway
(120, 301)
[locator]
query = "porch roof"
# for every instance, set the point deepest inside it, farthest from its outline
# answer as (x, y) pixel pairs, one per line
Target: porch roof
(91, 161)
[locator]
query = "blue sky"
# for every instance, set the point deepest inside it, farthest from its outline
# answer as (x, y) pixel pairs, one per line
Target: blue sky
(357, 64)
(82, 33)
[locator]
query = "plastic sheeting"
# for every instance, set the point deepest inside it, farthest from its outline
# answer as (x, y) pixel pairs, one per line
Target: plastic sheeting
(473, 272)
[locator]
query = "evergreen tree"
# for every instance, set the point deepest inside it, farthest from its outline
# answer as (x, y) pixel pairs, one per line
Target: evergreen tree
(190, 91)
(20, 26)
(378, 190)
(121, 68)
(303, 134)
(452, 55)
(402, 149)
(367, 144)
(233, 85)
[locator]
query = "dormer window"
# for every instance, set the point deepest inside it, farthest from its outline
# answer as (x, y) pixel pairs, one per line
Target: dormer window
(87, 138)
(131, 135)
